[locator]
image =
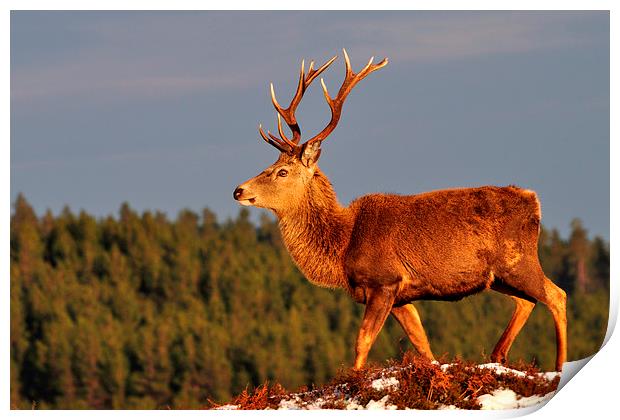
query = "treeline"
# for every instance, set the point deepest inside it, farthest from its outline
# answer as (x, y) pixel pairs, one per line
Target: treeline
(140, 311)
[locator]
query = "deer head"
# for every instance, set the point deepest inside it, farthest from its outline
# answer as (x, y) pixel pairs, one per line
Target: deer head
(284, 184)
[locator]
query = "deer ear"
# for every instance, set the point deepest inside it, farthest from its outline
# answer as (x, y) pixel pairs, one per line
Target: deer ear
(310, 153)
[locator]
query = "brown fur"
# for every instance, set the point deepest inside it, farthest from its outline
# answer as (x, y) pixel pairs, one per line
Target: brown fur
(388, 250)
(316, 236)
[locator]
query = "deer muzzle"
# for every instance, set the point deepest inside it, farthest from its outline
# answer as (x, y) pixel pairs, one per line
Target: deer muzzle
(241, 196)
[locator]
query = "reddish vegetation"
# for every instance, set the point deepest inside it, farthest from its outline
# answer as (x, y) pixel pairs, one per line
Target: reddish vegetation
(422, 385)
(262, 397)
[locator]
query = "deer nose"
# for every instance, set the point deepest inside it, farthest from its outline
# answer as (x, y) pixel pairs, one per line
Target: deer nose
(237, 193)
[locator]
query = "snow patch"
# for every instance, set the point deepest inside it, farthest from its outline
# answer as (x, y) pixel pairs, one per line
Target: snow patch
(227, 407)
(383, 383)
(354, 405)
(502, 370)
(502, 399)
(550, 376)
(448, 407)
(316, 405)
(292, 404)
(380, 405)
(296, 403)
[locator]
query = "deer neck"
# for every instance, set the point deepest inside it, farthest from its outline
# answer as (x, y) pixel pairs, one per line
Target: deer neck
(317, 234)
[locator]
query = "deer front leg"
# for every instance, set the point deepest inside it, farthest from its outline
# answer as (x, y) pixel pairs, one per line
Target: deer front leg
(523, 309)
(378, 305)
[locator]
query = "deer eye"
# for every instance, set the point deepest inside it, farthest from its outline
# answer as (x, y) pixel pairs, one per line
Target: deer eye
(282, 172)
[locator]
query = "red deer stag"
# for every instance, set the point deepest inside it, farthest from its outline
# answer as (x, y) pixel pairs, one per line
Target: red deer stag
(388, 250)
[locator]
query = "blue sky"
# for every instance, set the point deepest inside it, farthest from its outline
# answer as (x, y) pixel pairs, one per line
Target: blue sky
(161, 109)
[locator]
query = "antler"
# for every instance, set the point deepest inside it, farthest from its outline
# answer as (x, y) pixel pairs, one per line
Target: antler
(283, 143)
(291, 146)
(335, 104)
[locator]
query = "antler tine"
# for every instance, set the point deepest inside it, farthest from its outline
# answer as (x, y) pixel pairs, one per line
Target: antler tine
(326, 94)
(282, 135)
(274, 141)
(313, 74)
(288, 114)
(335, 104)
(274, 101)
(347, 63)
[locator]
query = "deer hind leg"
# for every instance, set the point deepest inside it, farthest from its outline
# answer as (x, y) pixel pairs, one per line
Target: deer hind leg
(523, 309)
(537, 286)
(408, 318)
(378, 306)
(555, 299)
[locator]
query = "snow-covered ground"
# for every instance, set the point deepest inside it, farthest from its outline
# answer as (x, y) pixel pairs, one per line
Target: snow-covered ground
(499, 399)
(502, 399)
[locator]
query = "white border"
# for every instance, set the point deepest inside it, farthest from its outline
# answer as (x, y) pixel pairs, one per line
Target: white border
(591, 394)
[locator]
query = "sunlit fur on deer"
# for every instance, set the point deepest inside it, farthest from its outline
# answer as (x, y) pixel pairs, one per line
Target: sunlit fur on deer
(389, 250)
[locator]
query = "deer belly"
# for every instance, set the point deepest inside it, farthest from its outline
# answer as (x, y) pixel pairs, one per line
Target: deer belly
(451, 288)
